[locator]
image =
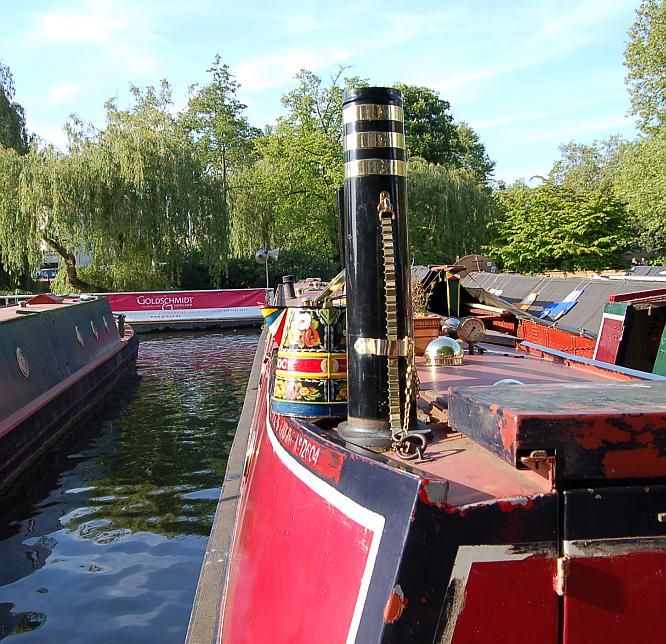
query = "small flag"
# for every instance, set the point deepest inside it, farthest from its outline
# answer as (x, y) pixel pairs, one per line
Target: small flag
(275, 318)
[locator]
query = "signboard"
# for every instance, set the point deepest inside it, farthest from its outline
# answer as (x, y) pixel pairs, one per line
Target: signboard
(183, 306)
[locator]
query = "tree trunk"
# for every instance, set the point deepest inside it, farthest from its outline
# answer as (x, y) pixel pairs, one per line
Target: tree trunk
(70, 267)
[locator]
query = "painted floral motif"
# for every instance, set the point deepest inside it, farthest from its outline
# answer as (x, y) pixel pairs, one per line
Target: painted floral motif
(304, 331)
(340, 390)
(292, 389)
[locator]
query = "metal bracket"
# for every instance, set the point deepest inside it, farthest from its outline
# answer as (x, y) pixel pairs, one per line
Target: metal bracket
(539, 461)
(380, 347)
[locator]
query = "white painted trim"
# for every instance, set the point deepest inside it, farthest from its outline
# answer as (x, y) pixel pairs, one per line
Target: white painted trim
(606, 316)
(613, 316)
(357, 513)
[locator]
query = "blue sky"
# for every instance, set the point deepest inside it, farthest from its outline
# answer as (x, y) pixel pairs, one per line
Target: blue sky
(528, 75)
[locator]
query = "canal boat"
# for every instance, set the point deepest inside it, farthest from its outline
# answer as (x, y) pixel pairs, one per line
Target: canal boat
(479, 493)
(592, 316)
(179, 310)
(59, 357)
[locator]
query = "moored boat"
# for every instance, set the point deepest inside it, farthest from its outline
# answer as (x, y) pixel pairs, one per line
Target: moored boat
(517, 498)
(60, 356)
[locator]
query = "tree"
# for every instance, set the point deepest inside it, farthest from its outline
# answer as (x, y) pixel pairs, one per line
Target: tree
(432, 135)
(291, 189)
(645, 59)
(641, 183)
(449, 212)
(641, 176)
(588, 167)
(429, 128)
(472, 153)
(13, 132)
(134, 195)
(217, 125)
(554, 227)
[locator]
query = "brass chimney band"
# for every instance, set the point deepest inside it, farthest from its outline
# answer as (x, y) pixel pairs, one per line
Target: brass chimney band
(371, 112)
(366, 140)
(366, 167)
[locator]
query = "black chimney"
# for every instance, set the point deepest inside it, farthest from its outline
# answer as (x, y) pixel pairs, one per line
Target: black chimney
(379, 316)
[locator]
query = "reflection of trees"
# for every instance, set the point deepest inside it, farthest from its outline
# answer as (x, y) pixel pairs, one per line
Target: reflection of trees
(17, 623)
(171, 441)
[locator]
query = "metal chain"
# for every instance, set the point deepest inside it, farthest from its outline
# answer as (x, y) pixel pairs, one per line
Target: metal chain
(399, 426)
(386, 214)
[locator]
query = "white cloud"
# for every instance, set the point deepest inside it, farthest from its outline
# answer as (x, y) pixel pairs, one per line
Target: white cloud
(98, 24)
(275, 69)
(543, 33)
(113, 27)
(63, 93)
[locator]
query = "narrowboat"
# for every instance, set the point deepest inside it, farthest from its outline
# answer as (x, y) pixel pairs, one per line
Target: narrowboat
(479, 493)
(59, 356)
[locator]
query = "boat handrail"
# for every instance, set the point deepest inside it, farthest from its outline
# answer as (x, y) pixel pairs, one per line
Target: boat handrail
(10, 300)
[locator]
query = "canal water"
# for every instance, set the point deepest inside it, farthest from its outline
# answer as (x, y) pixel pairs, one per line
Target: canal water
(103, 538)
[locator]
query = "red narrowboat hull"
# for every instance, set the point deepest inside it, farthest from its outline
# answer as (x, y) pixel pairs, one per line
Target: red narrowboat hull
(325, 542)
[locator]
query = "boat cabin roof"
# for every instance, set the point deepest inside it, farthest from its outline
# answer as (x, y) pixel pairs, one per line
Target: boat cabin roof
(41, 302)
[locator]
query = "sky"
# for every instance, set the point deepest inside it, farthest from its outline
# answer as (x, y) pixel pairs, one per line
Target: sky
(527, 75)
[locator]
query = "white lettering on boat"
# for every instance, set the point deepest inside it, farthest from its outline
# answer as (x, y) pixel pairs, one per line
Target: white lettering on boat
(303, 448)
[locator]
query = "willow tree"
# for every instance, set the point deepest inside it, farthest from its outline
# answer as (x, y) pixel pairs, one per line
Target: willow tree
(133, 195)
(153, 199)
(449, 211)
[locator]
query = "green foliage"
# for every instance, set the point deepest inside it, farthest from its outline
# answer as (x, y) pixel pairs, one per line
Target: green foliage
(134, 195)
(219, 130)
(243, 272)
(645, 59)
(554, 227)
(13, 133)
(429, 128)
(472, 153)
(641, 183)
(588, 167)
(449, 212)
(156, 198)
(432, 135)
(287, 199)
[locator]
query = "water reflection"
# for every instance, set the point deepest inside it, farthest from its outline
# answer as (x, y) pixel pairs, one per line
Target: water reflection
(106, 533)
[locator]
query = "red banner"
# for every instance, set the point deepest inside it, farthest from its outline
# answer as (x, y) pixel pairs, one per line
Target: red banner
(183, 300)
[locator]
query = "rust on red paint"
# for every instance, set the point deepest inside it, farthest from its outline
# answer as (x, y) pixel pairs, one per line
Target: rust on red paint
(593, 432)
(434, 493)
(395, 605)
(507, 430)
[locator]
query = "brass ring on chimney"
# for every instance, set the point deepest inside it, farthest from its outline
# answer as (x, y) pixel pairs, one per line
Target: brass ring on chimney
(368, 140)
(372, 112)
(366, 167)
